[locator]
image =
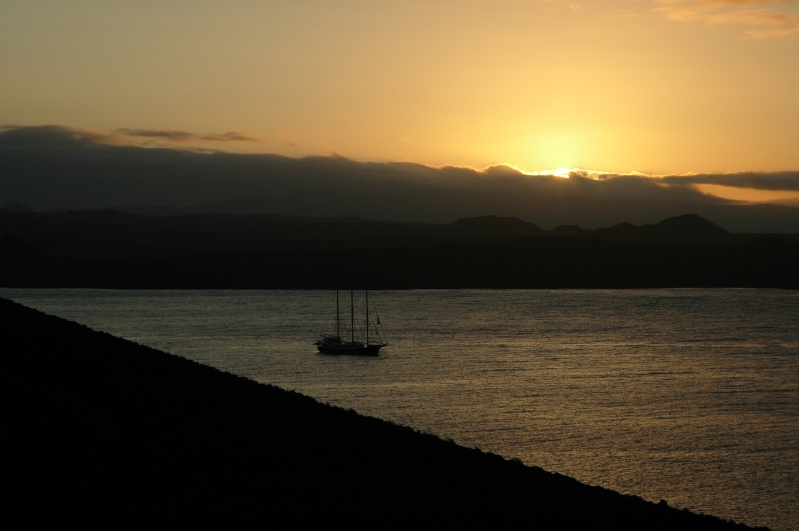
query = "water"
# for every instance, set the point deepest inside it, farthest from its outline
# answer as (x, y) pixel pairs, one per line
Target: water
(691, 396)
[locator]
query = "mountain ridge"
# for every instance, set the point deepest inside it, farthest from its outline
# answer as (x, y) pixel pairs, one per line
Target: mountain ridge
(116, 249)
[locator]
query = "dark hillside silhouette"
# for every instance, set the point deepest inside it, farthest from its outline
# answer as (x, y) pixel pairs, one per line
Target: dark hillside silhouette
(12, 248)
(100, 431)
(688, 229)
(113, 249)
(495, 227)
(13, 206)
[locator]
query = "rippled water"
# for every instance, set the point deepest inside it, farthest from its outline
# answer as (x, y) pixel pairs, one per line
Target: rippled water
(691, 396)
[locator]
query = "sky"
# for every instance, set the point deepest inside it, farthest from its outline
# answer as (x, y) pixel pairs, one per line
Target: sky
(643, 87)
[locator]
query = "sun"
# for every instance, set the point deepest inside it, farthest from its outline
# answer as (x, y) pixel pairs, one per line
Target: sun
(561, 172)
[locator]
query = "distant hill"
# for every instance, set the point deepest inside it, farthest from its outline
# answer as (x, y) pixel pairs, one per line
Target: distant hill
(20, 262)
(13, 248)
(495, 227)
(688, 229)
(116, 249)
(14, 207)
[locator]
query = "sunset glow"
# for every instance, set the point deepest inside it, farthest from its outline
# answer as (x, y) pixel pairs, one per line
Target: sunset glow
(651, 86)
(562, 172)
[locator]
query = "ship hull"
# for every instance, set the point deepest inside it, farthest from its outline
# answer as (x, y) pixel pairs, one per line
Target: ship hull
(364, 350)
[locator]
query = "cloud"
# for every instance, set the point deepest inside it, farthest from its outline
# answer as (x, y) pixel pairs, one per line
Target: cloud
(49, 167)
(175, 136)
(185, 136)
(50, 135)
(773, 181)
(60, 135)
(759, 19)
(787, 181)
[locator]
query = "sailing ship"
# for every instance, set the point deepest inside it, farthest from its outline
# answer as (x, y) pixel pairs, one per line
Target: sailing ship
(336, 344)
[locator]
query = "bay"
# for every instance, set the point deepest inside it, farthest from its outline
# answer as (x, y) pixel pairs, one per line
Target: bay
(687, 395)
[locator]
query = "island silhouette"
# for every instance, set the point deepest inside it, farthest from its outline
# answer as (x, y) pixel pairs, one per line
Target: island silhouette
(113, 249)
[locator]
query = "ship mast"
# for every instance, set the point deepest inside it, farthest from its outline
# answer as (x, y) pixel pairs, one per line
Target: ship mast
(352, 317)
(338, 318)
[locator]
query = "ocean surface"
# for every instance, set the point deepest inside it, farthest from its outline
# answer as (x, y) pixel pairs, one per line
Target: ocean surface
(686, 395)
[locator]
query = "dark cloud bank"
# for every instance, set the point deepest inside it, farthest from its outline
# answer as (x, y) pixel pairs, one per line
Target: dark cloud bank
(53, 167)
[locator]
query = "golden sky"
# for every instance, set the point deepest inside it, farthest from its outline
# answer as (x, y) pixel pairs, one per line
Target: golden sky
(653, 86)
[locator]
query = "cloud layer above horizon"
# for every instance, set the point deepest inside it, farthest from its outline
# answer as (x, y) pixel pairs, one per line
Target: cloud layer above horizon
(46, 167)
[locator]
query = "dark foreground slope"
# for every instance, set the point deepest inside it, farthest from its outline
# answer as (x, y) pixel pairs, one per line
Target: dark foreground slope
(102, 431)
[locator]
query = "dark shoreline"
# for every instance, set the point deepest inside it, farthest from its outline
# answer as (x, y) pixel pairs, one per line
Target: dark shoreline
(105, 431)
